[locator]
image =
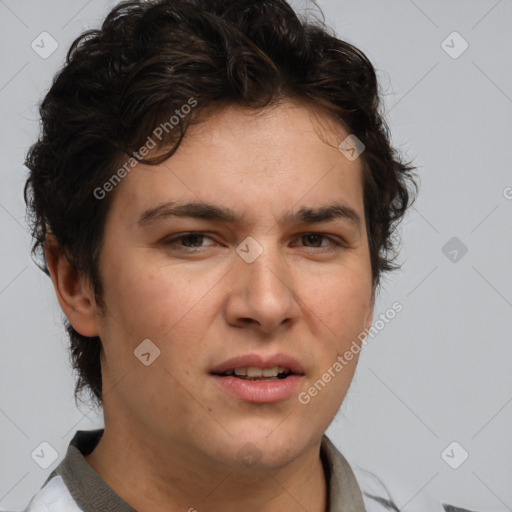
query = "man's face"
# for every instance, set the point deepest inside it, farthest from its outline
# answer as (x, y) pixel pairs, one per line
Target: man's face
(202, 300)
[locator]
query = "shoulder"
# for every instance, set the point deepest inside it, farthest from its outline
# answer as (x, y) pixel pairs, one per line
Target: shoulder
(376, 495)
(53, 497)
(369, 492)
(364, 491)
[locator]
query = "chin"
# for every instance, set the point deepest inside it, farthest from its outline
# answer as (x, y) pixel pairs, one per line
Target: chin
(268, 444)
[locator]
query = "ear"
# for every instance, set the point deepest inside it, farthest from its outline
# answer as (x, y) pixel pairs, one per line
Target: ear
(74, 293)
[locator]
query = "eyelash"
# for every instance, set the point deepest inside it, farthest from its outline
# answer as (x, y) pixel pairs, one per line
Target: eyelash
(171, 241)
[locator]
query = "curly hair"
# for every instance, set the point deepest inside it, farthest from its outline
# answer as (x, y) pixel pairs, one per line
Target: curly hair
(148, 59)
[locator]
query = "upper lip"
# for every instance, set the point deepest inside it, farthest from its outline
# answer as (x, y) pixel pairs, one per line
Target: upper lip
(258, 361)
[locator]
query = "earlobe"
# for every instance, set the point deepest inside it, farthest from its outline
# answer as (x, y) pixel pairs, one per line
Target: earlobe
(74, 293)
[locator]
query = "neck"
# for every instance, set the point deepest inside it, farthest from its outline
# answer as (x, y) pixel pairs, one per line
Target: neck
(152, 477)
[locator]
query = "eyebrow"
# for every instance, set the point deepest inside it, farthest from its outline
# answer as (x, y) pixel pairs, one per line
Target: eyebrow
(207, 211)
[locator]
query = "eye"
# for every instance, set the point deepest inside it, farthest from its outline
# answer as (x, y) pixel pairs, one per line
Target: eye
(193, 242)
(316, 238)
(187, 241)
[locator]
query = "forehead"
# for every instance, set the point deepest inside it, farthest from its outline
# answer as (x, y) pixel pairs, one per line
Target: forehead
(257, 162)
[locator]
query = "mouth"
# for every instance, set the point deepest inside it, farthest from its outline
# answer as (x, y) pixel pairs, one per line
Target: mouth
(254, 374)
(253, 378)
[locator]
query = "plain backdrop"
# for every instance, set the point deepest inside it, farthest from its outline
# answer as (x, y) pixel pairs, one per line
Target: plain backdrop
(439, 372)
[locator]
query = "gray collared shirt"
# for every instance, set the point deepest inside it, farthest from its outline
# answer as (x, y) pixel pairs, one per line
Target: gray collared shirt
(92, 494)
(75, 487)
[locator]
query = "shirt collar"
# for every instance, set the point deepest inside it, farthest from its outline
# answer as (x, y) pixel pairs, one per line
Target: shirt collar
(344, 494)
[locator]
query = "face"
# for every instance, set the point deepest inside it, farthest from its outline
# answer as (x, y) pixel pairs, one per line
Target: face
(260, 269)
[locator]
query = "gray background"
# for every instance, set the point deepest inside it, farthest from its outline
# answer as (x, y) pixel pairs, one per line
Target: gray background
(440, 371)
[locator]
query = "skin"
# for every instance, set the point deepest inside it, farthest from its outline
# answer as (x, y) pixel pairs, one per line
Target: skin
(171, 436)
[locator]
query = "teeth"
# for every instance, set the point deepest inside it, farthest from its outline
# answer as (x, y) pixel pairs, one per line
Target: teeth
(252, 371)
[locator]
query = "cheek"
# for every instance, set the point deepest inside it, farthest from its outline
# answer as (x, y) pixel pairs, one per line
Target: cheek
(158, 301)
(340, 308)
(341, 302)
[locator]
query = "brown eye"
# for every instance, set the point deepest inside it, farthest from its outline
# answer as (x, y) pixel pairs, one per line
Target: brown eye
(313, 238)
(315, 241)
(187, 241)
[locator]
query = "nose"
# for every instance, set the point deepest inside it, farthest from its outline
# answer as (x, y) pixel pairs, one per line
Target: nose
(263, 294)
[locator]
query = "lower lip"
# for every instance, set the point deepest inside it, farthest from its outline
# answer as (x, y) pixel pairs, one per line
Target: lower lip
(263, 391)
